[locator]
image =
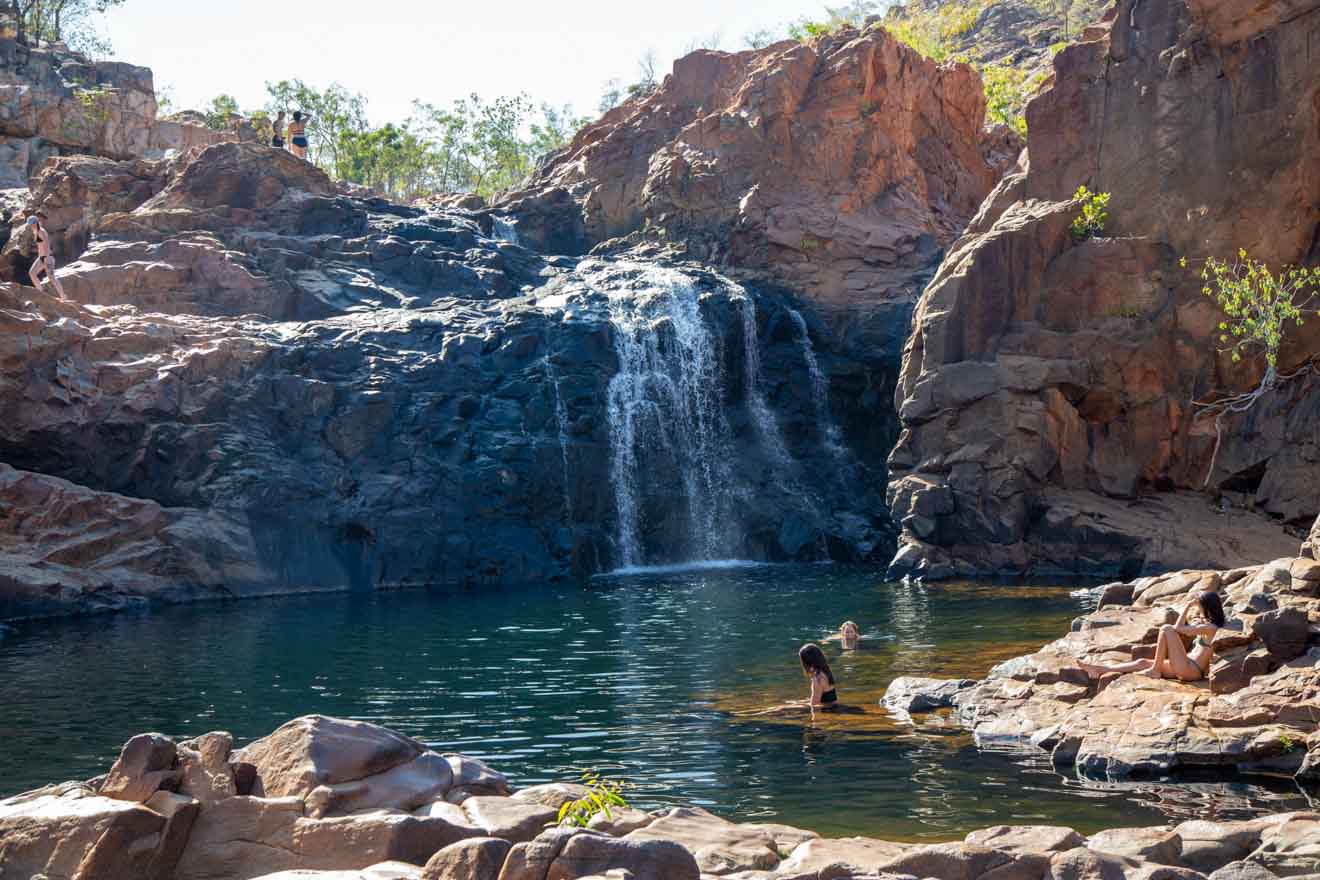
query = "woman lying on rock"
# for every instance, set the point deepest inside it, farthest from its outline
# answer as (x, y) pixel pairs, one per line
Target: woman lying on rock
(1172, 658)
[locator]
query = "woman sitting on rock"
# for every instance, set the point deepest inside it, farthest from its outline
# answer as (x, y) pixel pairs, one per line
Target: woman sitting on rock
(1172, 659)
(816, 668)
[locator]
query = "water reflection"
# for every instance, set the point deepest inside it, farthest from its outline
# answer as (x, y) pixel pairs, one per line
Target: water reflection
(644, 678)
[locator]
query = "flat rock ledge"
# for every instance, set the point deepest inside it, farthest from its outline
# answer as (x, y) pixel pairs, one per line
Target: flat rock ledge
(347, 800)
(1258, 711)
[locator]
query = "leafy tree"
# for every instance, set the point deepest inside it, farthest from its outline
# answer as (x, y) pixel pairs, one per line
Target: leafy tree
(1007, 90)
(1258, 305)
(72, 22)
(332, 112)
(554, 130)
(759, 39)
(219, 112)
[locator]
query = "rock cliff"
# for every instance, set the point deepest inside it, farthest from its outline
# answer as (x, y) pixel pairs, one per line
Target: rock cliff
(317, 373)
(353, 393)
(1047, 391)
(54, 102)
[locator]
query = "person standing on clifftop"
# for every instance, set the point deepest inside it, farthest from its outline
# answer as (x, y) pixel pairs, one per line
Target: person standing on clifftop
(277, 139)
(44, 262)
(298, 134)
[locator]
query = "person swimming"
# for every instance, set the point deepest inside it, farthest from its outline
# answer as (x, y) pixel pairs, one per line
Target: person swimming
(816, 668)
(849, 635)
(1172, 658)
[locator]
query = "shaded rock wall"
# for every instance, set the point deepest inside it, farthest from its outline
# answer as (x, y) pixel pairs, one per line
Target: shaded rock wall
(1047, 387)
(368, 394)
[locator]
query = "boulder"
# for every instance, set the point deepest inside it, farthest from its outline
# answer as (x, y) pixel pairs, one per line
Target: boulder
(478, 858)
(243, 837)
(506, 818)
(316, 750)
(1027, 838)
(204, 769)
(720, 846)
(913, 694)
(838, 857)
(402, 787)
(1159, 845)
(587, 853)
(145, 765)
(553, 794)
(966, 861)
(532, 860)
(70, 832)
(1284, 632)
(620, 821)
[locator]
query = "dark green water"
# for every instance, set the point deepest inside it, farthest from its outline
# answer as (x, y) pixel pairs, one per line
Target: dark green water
(641, 677)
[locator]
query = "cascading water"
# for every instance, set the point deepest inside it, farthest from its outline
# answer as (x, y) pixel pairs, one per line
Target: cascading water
(666, 416)
(820, 392)
(505, 228)
(561, 419)
(766, 426)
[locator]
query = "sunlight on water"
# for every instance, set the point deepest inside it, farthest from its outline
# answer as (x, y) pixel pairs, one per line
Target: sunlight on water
(650, 678)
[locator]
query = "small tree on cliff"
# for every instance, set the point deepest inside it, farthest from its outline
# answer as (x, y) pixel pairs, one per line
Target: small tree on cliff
(1258, 305)
(70, 21)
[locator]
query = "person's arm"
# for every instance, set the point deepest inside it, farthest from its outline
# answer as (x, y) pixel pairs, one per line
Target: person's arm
(816, 690)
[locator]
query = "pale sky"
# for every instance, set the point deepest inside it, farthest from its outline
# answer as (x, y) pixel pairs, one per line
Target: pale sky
(436, 50)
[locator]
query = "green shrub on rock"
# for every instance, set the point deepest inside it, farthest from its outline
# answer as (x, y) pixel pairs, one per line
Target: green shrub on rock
(1095, 213)
(601, 794)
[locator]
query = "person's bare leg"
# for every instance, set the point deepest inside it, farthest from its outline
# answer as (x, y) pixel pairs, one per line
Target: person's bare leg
(1157, 663)
(34, 272)
(59, 288)
(1171, 657)
(1095, 670)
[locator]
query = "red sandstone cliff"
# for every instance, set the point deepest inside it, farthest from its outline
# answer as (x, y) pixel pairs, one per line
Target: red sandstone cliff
(1047, 387)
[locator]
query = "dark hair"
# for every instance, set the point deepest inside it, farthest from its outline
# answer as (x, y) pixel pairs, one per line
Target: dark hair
(813, 660)
(1213, 607)
(297, 116)
(41, 215)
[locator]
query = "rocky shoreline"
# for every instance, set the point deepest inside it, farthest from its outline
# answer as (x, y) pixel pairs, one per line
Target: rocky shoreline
(335, 799)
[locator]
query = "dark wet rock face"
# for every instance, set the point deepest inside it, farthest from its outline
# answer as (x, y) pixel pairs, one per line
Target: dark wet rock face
(366, 394)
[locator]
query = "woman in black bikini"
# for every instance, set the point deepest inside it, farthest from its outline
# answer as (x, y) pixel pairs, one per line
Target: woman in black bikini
(298, 134)
(816, 668)
(1172, 659)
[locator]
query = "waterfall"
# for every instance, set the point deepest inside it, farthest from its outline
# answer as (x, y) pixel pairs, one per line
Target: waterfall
(561, 418)
(665, 405)
(820, 392)
(505, 228)
(766, 426)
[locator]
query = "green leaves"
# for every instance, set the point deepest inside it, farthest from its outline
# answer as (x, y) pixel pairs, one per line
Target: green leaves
(601, 794)
(1007, 90)
(1258, 302)
(1095, 213)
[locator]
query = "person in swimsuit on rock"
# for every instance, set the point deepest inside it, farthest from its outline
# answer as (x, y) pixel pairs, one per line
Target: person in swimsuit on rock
(298, 134)
(1172, 658)
(44, 262)
(277, 137)
(817, 670)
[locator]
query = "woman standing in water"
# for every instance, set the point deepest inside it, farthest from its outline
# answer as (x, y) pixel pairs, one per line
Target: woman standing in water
(1172, 659)
(817, 669)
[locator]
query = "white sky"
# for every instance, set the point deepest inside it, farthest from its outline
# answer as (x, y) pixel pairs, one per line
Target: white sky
(435, 50)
